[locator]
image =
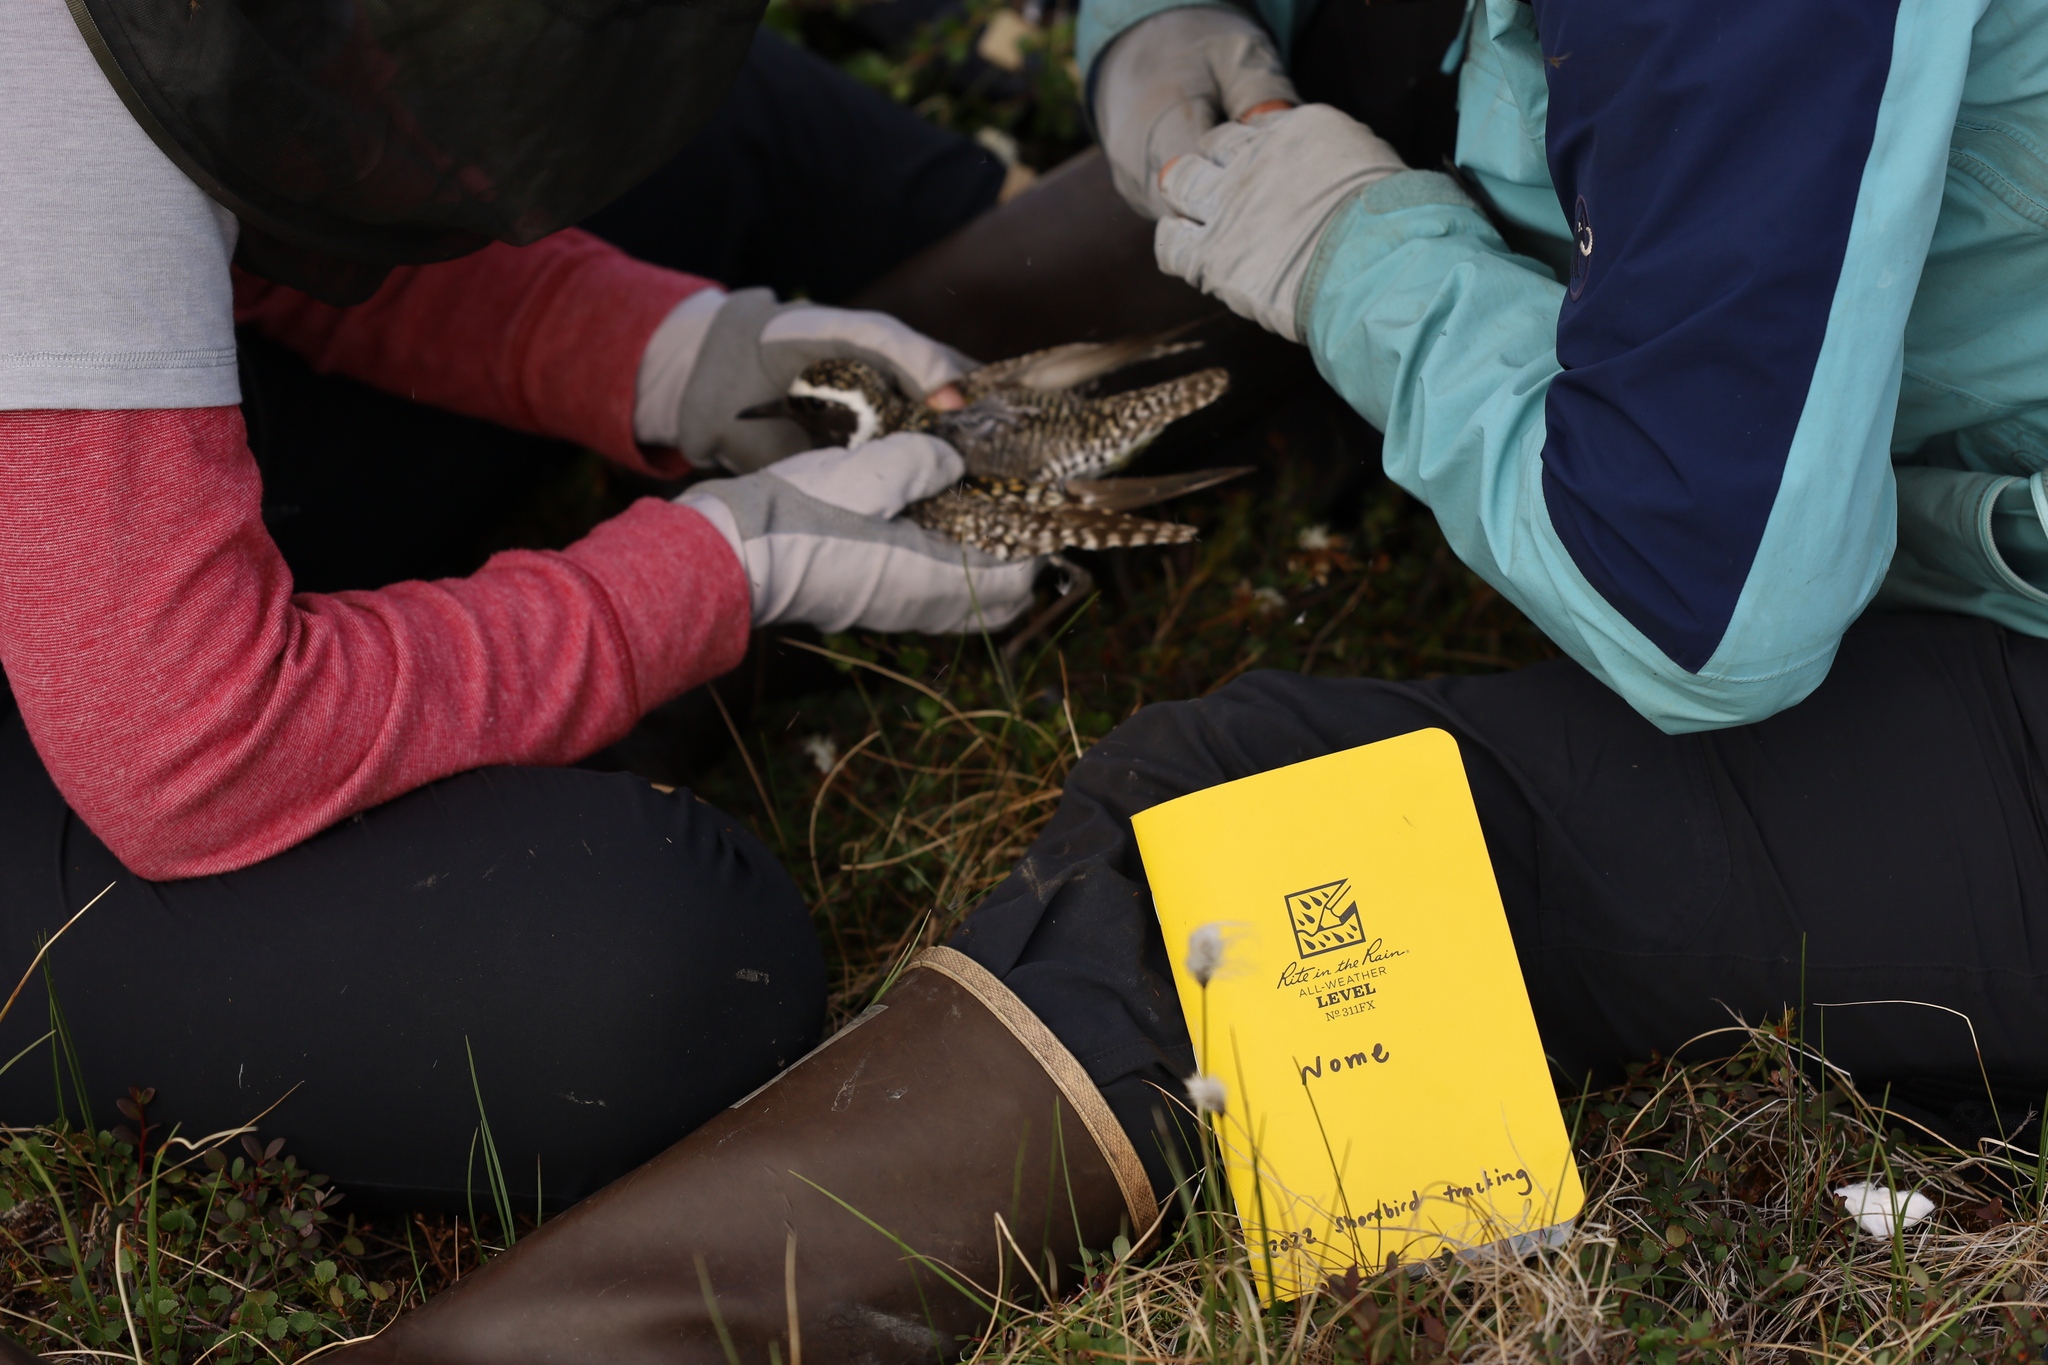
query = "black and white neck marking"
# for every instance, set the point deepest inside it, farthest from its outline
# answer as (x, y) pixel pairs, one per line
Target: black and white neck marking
(867, 422)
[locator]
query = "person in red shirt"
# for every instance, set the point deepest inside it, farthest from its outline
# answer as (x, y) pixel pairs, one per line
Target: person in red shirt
(340, 852)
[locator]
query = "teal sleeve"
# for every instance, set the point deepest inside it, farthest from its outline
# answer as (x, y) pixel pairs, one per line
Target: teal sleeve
(1417, 312)
(1503, 104)
(1102, 20)
(1974, 543)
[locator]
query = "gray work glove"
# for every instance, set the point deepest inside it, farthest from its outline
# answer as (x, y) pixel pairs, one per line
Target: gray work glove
(699, 374)
(1250, 203)
(820, 544)
(1169, 79)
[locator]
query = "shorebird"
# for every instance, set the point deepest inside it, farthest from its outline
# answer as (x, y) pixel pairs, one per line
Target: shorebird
(1036, 439)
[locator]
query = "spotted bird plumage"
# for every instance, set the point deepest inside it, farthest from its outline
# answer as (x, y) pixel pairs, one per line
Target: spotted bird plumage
(1036, 439)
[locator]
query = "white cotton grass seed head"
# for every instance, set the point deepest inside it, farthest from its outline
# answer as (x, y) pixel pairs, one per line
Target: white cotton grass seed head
(822, 752)
(1207, 1093)
(1205, 952)
(1874, 1207)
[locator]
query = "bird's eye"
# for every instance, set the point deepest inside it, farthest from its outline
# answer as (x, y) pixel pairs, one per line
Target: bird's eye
(824, 421)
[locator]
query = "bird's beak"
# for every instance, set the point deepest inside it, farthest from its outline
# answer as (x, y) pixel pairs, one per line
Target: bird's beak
(778, 407)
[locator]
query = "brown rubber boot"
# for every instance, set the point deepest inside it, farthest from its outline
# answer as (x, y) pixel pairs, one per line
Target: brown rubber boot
(934, 1140)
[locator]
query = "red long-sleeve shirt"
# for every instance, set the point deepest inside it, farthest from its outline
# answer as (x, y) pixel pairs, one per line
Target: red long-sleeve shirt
(201, 716)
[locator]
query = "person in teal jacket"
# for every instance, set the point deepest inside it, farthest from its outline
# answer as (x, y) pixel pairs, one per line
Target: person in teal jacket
(1732, 322)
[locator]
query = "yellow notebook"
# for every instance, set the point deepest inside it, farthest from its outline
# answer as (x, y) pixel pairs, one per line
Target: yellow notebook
(1385, 1089)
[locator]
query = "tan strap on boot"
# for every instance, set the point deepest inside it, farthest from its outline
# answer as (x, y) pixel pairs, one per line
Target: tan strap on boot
(1066, 1072)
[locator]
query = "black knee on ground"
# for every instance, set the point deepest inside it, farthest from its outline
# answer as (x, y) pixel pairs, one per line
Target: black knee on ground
(621, 963)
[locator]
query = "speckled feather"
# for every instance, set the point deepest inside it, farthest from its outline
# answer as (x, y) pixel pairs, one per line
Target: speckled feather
(1032, 430)
(1011, 428)
(1012, 519)
(1046, 436)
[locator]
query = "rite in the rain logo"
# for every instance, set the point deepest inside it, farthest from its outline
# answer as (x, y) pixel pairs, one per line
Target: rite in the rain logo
(1325, 918)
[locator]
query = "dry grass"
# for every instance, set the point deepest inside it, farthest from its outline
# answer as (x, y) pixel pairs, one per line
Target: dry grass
(1711, 1232)
(943, 759)
(952, 802)
(900, 797)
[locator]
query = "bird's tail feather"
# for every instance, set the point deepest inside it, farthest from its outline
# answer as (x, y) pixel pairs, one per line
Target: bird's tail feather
(1089, 529)
(1076, 528)
(1079, 362)
(1124, 494)
(1157, 406)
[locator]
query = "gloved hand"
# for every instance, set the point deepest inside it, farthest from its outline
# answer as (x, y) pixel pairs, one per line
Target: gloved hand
(715, 358)
(1169, 79)
(819, 545)
(1250, 203)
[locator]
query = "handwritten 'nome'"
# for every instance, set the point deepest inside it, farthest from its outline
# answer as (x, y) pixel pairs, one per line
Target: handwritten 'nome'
(1337, 1064)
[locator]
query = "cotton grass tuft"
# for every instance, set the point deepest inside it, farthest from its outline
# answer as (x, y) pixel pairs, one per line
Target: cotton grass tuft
(821, 751)
(1208, 1093)
(1205, 952)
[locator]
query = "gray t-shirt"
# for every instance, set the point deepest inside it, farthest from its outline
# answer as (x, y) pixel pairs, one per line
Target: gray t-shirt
(114, 289)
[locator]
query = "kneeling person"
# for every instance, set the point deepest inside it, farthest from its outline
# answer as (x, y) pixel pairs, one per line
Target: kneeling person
(336, 837)
(1019, 1092)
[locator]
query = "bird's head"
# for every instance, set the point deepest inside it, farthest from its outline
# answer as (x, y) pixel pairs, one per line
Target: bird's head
(841, 403)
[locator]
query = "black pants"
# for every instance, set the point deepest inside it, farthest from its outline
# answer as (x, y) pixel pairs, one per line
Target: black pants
(806, 181)
(1883, 840)
(621, 962)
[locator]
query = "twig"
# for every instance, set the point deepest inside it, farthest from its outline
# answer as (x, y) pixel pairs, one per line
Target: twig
(1180, 602)
(121, 1284)
(1350, 605)
(1067, 710)
(796, 1340)
(1080, 590)
(889, 673)
(1251, 658)
(48, 944)
(747, 757)
(818, 802)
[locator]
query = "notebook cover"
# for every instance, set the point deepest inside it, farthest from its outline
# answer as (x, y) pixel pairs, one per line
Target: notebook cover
(1386, 1089)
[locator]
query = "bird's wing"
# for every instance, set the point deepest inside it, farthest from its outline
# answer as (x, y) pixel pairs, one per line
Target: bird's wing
(1065, 367)
(1123, 494)
(1157, 406)
(1094, 529)
(984, 419)
(1010, 529)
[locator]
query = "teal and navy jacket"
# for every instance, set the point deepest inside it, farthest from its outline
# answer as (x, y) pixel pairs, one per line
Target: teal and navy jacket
(1771, 343)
